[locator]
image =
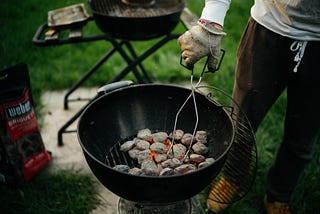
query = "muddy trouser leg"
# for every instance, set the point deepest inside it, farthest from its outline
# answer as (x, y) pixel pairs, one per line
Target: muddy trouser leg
(264, 70)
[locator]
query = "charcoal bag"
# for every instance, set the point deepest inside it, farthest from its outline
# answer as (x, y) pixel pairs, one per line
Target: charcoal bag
(22, 151)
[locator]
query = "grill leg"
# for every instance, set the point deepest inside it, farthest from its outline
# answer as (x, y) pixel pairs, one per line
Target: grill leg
(135, 56)
(63, 129)
(138, 60)
(88, 74)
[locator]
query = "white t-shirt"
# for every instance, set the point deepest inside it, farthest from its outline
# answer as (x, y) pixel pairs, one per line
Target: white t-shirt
(215, 10)
(296, 19)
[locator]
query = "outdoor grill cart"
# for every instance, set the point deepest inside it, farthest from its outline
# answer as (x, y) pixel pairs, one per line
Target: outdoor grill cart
(120, 23)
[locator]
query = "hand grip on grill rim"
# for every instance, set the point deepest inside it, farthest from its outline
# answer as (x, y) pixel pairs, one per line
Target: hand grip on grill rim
(113, 86)
(222, 53)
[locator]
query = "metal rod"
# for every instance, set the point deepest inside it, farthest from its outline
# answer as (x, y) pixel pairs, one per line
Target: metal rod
(88, 74)
(192, 94)
(145, 55)
(135, 56)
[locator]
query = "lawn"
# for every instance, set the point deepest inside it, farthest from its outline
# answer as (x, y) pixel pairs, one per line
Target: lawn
(59, 67)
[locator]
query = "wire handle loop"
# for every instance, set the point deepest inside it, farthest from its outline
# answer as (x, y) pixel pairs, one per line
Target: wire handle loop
(222, 53)
(193, 96)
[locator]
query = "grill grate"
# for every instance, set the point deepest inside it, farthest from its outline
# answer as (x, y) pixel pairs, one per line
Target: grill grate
(119, 9)
(241, 165)
(116, 157)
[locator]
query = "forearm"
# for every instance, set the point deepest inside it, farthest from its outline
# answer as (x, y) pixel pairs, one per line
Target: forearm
(215, 11)
(204, 39)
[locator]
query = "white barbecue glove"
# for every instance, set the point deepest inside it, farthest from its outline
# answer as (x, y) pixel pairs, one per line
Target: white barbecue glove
(201, 40)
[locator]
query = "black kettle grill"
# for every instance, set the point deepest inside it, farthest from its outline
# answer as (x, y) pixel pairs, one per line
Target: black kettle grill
(119, 114)
(136, 20)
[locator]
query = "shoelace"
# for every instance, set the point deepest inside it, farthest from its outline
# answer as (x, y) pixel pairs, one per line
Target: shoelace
(299, 46)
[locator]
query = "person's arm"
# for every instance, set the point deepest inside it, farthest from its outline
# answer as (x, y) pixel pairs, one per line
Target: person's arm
(204, 39)
(215, 11)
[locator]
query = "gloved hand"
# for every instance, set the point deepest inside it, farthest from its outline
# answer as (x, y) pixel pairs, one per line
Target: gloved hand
(201, 40)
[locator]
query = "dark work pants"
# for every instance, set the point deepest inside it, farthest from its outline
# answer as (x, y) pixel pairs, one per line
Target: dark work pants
(265, 66)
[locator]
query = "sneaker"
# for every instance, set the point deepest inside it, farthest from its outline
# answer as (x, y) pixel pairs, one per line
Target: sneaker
(223, 191)
(276, 207)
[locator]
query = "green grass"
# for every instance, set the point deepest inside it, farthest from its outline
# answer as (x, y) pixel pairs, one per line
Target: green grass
(58, 67)
(65, 191)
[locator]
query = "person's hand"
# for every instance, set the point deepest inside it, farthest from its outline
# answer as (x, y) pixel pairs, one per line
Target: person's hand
(201, 40)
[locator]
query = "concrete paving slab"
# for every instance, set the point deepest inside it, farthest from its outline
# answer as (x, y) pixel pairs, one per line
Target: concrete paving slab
(70, 155)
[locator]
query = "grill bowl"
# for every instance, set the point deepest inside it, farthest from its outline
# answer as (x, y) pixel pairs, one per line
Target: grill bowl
(122, 113)
(123, 21)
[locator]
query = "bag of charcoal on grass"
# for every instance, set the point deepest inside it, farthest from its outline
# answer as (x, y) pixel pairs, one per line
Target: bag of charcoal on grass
(22, 151)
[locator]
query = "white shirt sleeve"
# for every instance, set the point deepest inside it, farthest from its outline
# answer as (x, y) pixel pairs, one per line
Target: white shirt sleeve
(215, 10)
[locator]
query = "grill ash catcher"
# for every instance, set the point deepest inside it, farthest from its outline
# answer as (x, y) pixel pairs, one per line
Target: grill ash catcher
(119, 114)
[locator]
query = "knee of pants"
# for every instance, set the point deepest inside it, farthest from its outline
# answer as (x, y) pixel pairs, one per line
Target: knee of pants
(299, 149)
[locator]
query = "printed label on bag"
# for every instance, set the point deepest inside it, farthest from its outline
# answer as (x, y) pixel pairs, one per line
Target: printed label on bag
(25, 148)
(21, 118)
(34, 164)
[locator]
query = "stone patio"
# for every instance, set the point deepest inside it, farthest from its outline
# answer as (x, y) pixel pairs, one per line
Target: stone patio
(70, 156)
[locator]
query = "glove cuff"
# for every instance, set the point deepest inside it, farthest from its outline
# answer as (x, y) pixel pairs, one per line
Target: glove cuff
(211, 27)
